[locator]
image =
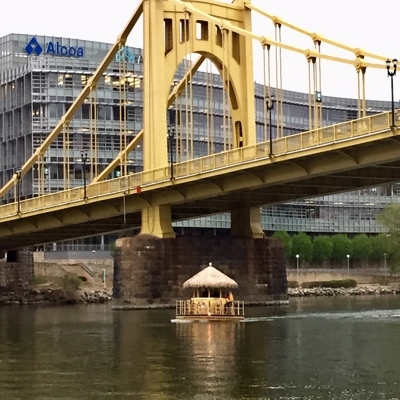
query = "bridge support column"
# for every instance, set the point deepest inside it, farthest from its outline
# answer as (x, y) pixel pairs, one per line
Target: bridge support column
(157, 221)
(17, 269)
(246, 222)
(149, 272)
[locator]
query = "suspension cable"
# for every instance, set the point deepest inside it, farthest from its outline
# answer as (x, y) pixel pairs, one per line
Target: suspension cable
(66, 156)
(265, 95)
(122, 67)
(185, 33)
(224, 40)
(93, 133)
(191, 144)
(281, 79)
(310, 104)
(319, 86)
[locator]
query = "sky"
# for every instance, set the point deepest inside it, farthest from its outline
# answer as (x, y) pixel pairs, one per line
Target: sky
(358, 23)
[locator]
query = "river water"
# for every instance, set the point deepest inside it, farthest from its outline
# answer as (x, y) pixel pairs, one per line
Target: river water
(321, 348)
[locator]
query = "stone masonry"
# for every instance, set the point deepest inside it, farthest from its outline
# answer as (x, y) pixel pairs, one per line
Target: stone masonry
(149, 272)
(17, 269)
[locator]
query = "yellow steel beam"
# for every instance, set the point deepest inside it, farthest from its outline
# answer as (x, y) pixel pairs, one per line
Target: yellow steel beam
(316, 37)
(178, 89)
(67, 117)
(309, 53)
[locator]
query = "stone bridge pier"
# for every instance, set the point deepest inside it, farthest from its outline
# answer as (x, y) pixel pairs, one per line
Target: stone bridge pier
(16, 267)
(149, 271)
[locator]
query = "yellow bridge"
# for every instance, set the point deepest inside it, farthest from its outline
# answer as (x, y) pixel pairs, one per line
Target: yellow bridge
(246, 174)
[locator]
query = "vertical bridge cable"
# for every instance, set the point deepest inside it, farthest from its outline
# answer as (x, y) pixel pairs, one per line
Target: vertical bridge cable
(314, 61)
(191, 132)
(41, 185)
(278, 75)
(225, 104)
(310, 96)
(66, 151)
(93, 154)
(364, 102)
(265, 95)
(229, 47)
(179, 132)
(185, 32)
(319, 86)
(358, 93)
(281, 80)
(209, 109)
(361, 103)
(123, 84)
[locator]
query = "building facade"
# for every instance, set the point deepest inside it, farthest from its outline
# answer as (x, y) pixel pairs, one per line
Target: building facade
(40, 76)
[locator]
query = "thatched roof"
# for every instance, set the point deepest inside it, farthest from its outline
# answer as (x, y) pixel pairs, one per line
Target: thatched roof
(210, 277)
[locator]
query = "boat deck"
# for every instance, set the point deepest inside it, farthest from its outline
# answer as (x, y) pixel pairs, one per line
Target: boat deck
(208, 308)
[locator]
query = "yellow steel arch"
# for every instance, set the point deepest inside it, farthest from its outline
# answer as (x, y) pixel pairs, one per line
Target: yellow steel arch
(170, 33)
(236, 18)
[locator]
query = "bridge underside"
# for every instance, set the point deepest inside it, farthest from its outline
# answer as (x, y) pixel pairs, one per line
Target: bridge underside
(317, 174)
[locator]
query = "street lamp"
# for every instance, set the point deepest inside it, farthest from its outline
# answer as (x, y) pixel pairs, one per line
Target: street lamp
(384, 263)
(84, 159)
(297, 263)
(270, 106)
(171, 137)
(391, 74)
(348, 264)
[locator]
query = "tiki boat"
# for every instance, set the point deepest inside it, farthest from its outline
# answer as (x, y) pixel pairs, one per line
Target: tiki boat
(212, 298)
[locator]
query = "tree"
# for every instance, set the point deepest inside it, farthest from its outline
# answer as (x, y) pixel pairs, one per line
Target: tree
(390, 218)
(302, 245)
(322, 248)
(379, 247)
(341, 247)
(361, 247)
(287, 242)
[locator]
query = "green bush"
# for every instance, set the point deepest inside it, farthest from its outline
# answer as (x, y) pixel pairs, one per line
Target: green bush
(344, 283)
(39, 280)
(287, 242)
(322, 248)
(302, 245)
(293, 284)
(361, 247)
(70, 283)
(341, 247)
(379, 246)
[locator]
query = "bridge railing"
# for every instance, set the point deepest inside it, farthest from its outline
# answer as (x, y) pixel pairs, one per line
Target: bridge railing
(288, 144)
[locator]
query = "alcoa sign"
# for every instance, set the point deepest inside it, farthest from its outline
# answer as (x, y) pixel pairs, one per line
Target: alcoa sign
(53, 49)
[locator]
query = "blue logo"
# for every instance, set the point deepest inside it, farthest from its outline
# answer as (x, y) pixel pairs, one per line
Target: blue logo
(33, 47)
(127, 55)
(54, 49)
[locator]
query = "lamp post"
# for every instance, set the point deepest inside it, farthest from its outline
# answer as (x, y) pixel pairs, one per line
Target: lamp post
(348, 265)
(84, 159)
(384, 263)
(391, 74)
(297, 263)
(18, 174)
(171, 137)
(270, 106)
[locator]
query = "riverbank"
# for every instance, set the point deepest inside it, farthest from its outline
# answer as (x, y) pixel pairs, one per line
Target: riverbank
(52, 296)
(362, 290)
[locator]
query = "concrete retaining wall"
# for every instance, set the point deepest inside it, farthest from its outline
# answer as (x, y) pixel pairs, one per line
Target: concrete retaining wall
(362, 276)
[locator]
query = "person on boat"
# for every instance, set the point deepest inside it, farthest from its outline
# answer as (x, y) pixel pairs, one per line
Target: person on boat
(229, 303)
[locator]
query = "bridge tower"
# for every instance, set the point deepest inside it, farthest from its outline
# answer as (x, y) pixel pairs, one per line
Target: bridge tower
(172, 31)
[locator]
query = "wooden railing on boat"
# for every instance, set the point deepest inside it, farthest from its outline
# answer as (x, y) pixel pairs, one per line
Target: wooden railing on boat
(209, 306)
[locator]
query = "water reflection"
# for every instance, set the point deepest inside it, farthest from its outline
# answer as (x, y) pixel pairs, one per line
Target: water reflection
(212, 349)
(314, 349)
